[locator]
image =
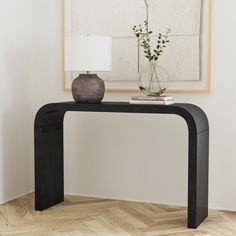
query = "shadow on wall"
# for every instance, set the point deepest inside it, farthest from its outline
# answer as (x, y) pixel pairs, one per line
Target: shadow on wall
(17, 123)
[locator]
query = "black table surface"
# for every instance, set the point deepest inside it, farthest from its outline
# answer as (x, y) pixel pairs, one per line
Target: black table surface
(195, 116)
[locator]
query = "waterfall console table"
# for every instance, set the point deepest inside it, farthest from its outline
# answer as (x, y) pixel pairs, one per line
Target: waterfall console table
(49, 173)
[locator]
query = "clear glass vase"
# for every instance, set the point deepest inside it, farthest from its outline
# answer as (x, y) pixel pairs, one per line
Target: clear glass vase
(153, 79)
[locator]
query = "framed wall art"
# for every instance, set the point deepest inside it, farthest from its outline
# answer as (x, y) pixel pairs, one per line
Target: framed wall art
(187, 57)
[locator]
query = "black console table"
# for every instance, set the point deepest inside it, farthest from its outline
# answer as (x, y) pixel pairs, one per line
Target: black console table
(49, 169)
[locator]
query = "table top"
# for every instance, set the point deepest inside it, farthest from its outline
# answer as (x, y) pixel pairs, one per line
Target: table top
(195, 117)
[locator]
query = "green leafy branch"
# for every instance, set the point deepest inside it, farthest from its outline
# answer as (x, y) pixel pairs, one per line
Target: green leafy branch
(144, 36)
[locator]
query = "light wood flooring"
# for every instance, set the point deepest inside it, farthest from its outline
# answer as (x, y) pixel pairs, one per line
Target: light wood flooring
(88, 216)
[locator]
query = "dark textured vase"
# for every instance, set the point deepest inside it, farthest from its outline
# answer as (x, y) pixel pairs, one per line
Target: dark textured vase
(88, 88)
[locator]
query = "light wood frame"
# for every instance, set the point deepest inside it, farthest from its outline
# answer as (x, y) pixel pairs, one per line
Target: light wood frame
(171, 90)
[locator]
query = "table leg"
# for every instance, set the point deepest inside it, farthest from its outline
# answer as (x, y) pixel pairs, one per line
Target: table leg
(49, 173)
(198, 178)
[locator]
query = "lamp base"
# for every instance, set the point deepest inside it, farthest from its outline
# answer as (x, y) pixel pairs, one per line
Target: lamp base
(88, 88)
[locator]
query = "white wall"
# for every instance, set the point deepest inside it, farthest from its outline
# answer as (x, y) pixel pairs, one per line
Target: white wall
(15, 98)
(137, 157)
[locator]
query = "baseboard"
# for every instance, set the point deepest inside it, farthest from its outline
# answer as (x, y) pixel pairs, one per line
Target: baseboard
(15, 197)
(126, 199)
(119, 199)
(154, 202)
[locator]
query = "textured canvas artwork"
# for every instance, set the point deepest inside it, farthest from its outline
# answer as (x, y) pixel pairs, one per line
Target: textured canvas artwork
(116, 18)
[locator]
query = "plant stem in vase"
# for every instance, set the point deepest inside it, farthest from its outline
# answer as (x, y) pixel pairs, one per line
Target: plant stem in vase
(144, 39)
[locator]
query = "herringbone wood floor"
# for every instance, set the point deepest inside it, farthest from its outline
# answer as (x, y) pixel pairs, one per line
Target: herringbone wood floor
(89, 216)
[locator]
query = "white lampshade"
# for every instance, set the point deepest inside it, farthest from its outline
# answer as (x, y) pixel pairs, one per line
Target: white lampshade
(88, 53)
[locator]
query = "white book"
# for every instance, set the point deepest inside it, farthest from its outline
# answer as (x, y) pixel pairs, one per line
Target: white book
(153, 98)
(151, 102)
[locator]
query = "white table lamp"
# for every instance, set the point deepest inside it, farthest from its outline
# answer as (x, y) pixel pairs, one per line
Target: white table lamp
(88, 54)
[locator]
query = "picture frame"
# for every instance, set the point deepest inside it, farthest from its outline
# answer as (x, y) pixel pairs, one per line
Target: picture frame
(203, 85)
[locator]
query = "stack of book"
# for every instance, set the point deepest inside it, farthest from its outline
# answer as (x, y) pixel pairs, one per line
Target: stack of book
(159, 100)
